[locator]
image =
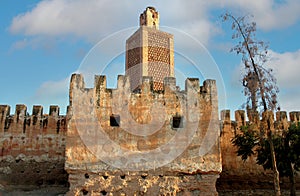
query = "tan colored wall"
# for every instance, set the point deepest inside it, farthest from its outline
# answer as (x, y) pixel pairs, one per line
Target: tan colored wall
(32, 148)
(238, 174)
(92, 164)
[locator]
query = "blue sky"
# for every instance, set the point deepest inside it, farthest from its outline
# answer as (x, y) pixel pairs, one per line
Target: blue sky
(44, 42)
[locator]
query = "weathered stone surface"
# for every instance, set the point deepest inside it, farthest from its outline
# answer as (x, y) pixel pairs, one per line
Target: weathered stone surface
(142, 183)
(244, 175)
(197, 141)
(155, 141)
(32, 148)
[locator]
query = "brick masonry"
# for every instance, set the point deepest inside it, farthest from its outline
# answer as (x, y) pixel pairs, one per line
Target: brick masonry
(149, 52)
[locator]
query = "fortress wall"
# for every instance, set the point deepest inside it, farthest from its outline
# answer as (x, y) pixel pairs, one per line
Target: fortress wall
(32, 147)
(90, 114)
(239, 174)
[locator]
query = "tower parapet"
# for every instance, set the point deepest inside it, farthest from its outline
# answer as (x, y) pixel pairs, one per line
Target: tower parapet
(150, 18)
(22, 123)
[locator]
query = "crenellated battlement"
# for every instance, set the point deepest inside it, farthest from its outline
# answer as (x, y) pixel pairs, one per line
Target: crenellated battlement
(236, 170)
(278, 122)
(160, 132)
(32, 147)
(123, 83)
(144, 137)
(140, 102)
(21, 121)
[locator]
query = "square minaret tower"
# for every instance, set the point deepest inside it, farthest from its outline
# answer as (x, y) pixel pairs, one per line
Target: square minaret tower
(149, 52)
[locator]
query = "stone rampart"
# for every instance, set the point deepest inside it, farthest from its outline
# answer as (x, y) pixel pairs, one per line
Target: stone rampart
(32, 147)
(236, 173)
(179, 153)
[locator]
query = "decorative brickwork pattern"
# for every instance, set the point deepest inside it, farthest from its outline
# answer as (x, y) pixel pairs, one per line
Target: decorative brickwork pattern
(158, 39)
(135, 73)
(134, 57)
(158, 71)
(151, 50)
(134, 50)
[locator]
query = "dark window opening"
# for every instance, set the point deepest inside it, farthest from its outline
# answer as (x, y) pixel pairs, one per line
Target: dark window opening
(105, 177)
(84, 192)
(114, 120)
(177, 122)
(122, 177)
(103, 192)
(45, 123)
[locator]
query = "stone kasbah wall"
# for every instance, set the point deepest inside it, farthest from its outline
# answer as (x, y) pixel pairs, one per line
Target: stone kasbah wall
(32, 147)
(247, 175)
(189, 173)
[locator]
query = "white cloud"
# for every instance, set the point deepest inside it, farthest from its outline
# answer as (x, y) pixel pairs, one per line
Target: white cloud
(92, 20)
(54, 92)
(269, 14)
(289, 101)
(85, 19)
(52, 89)
(286, 68)
(276, 16)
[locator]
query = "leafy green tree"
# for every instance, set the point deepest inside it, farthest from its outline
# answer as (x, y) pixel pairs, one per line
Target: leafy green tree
(286, 148)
